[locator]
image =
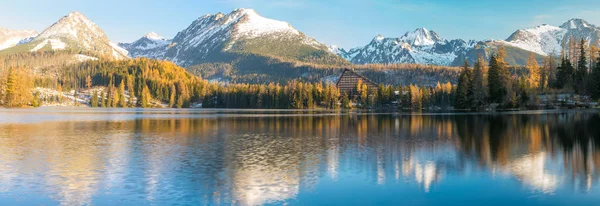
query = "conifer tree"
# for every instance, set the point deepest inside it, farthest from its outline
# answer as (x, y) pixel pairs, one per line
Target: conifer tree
(102, 99)
(122, 95)
(346, 103)
(145, 97)
(533, 68)
(11, 87)
(94, 101)
(172, 96)
(131, 90)
(564, 77)
(109, 97)
(88, 82)
(548, 73)
(462, 89)
(477, 94)
(582, 70)
(596, 81)
(497, 79)
(18, 88)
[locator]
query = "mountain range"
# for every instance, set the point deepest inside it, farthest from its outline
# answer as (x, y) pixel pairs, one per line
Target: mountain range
(231, 38)
(423, 46)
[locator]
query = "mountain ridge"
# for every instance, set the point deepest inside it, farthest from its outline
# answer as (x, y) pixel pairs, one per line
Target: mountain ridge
(423, 46)
(225, 37)
(10, 38)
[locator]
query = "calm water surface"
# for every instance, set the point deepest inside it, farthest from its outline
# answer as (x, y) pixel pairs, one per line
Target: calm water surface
(241, 157)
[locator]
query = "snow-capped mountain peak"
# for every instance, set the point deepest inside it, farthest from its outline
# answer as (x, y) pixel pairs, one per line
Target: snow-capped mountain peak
(150, 45)
(212, 34)
(72, 26)
(546, 39)
(379, 38)
(421, 37)
(75, 30)
(154, 36)
(577, 24)
(420, 46)
(252, 25)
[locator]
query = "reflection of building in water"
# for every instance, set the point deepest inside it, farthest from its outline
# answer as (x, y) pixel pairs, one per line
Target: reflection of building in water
(333, 158)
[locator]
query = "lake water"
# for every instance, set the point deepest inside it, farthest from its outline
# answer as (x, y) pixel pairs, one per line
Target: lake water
(254, 157)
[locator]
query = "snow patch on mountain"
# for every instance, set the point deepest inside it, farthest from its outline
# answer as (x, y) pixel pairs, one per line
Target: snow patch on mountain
(118, 52)
(84, 58)
(55, 44)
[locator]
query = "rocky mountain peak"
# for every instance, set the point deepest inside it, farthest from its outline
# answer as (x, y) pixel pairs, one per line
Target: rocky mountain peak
(154, 36)
(421, 37)
(73, 25)
(577, 24)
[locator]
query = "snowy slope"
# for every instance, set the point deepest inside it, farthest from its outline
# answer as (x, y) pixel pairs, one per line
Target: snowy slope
(542, 39)
(546, 39)
(10, 38)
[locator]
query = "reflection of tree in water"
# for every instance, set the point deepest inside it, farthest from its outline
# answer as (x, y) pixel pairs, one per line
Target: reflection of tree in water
(534, 148)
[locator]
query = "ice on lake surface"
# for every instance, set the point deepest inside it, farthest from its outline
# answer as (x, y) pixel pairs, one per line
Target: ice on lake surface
(57, 156)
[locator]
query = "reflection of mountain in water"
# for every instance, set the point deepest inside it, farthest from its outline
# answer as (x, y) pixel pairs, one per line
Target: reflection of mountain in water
(253, 161)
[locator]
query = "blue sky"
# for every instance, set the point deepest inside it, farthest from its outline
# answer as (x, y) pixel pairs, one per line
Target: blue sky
(347, 23)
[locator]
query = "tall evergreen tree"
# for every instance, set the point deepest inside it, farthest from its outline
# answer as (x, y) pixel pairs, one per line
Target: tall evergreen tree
(463, 87)
(11, 88)
(102, 99)
(131, 89)
(94, 101)
(122, 94)
(565, 75)
(582, 70)
(172, 95)
(477, 96)
(596, 81)
(145, 97)
(497, 77)
(548, 72)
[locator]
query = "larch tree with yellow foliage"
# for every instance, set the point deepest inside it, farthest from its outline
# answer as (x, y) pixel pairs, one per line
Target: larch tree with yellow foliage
(533, 80)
